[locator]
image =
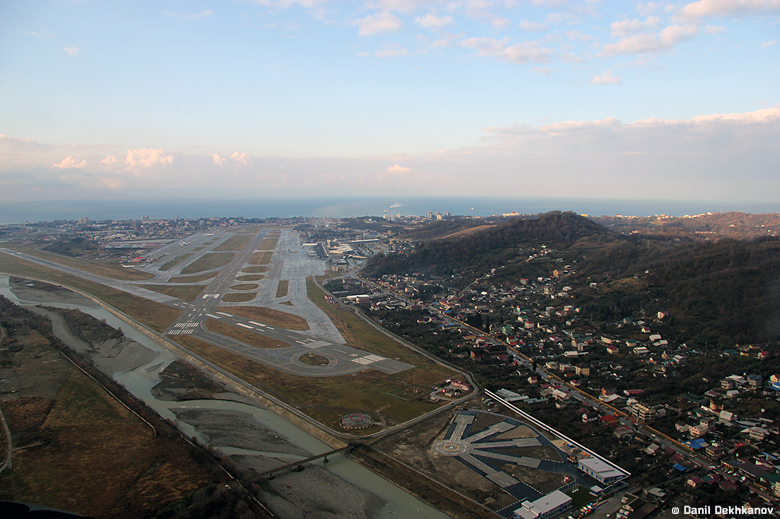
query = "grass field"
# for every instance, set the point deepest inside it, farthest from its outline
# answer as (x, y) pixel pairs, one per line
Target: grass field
(208, 261)
(175, 261)
(244, 335)
(269, 316)
(269, 242)
(238, 298)
(245, 286)
(234, 243)
(282, 288)
(325, 399)
(109, 270)
(155, 315)
(92, 456)
(260, 258)
(254, 270)
(250, 277)
(183, 292)
(193, 279)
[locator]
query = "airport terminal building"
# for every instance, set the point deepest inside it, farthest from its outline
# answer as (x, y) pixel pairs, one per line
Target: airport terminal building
(546, 506)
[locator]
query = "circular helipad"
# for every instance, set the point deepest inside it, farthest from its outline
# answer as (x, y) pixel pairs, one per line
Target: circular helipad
(451, 447)
(356, 421)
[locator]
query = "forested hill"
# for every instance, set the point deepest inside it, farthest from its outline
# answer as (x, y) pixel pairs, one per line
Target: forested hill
(499, 246)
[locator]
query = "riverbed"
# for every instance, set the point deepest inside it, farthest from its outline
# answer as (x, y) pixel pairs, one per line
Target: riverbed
(252, 437)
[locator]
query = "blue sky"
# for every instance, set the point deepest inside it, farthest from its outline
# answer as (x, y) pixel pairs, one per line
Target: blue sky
(241, 99)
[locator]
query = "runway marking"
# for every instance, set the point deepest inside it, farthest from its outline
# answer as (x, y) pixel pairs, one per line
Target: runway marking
(226, 315)
(214, 316)
(185, 331)
(374, 358)
(244, 326)
(257, 324)
(185, 325)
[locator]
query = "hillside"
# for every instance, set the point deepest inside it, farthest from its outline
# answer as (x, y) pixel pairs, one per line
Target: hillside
(506, 246)
(717, 292)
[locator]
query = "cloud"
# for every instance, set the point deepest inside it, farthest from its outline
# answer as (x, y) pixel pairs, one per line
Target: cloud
(516, 53)
(108, 161)
(396, 169)
(706, 8)
(768, 44)
(147, 157)
(530, 26)
(433, 21)
(607, 79)
(624, 28)
(243, 158)
(72, 50)
(653, 43)
(765, 115)
(392, 51)
(190, 16)
(381, 22)
(70, 162)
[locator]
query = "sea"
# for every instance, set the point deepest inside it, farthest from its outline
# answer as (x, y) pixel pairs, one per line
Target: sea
(16, 212)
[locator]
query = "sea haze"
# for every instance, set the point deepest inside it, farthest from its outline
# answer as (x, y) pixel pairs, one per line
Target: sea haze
(12, 212)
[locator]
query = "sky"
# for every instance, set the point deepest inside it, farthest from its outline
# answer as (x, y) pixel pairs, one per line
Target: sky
(280, 98)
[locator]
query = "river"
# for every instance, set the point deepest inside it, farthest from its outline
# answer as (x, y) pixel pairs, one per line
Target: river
(140, 381)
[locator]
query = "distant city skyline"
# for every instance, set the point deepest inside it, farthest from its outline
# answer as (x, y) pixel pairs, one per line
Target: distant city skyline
(534, 98)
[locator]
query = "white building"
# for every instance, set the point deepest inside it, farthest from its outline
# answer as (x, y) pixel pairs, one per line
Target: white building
(546, 506)
(602, 472)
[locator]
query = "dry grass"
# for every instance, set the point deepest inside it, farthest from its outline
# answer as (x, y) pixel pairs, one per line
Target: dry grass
(94, 457)
(209, 261)
(193, 279)
(325, 399)
(255, 270)
(238, 298)
(155, 315)
(466, 232)
(251, 277)
(260, 258)
(175, 261)
(244, 335)
(269, 316)
(87, 265)
(269, 243)
(282, 288)
(234, 243)
(183, 292)
(245, 286)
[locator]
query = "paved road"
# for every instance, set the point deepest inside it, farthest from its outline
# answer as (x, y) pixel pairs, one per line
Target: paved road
(8, 463)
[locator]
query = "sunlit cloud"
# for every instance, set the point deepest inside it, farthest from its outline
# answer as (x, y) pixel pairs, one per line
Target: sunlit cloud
(653, 43)
(72, 50)
(70, 162)
(378, 23)
(705, 8)
(190, 16)
(433, 21)
(147, 157)
(501, 49)
(607, 79)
